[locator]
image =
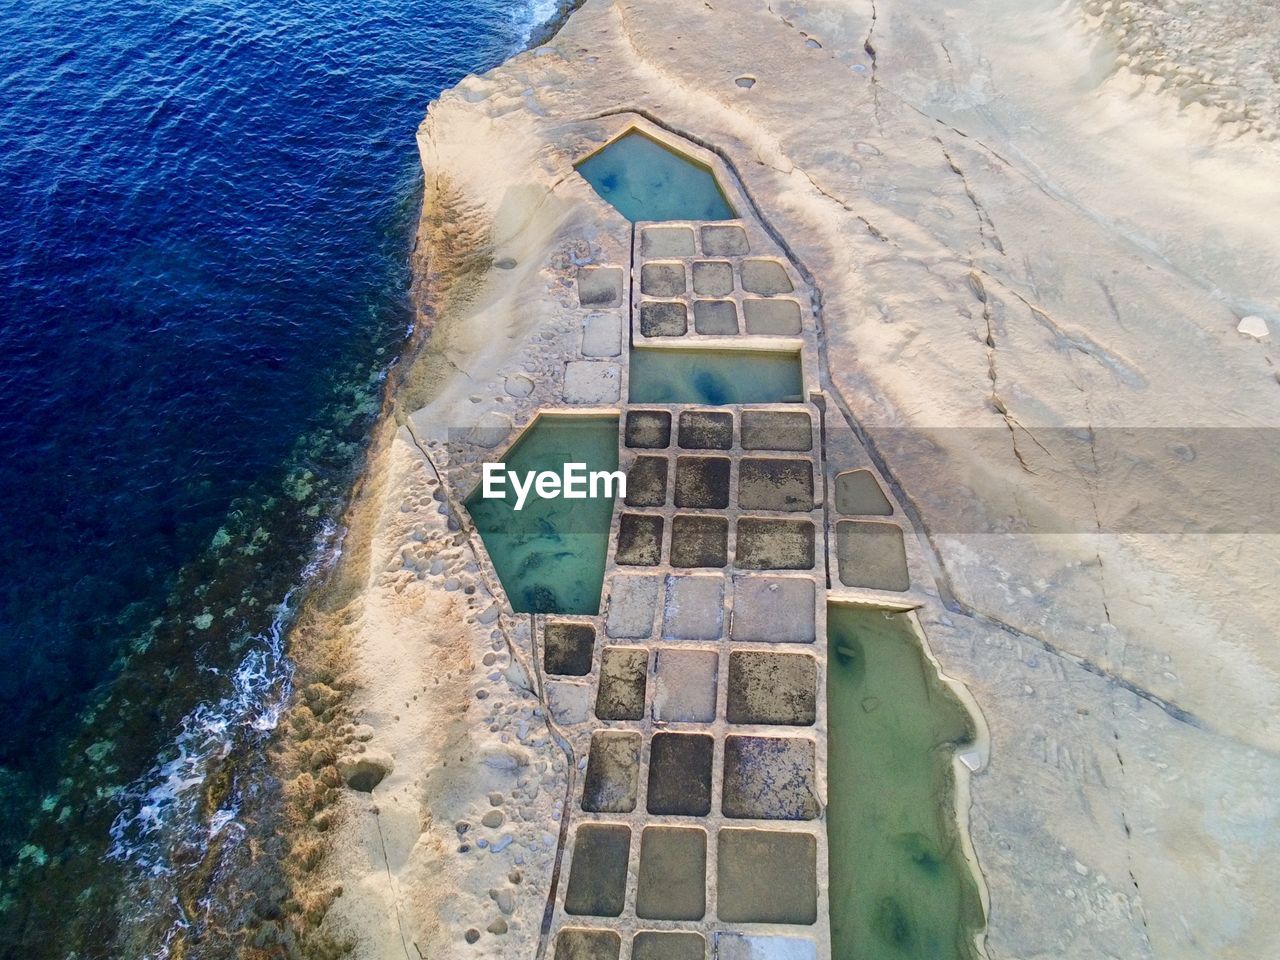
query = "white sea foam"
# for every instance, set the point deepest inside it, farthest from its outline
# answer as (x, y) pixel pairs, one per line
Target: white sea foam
(529, 17)
(160, 811)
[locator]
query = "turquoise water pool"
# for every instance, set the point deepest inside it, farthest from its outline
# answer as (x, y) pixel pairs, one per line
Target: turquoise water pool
(714, 376)
(550, 555)
(646, 181)
(901, 888)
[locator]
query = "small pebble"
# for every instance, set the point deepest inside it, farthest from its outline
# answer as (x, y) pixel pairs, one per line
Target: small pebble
(1253, 326)
(506, 900)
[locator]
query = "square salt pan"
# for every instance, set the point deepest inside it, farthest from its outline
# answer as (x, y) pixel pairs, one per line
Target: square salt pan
(775, 483)
(686, 686)
(592, 381)
(663, 319)
(631, 605)
(871, 554)
(858, 493)
(639, 540)
(702, 482)
(784, 892)
(699, 541)
(715, 318)
(669, 945)
(769, 778)
(765, 277)
(648, 429)
(776, 430)
(624, 673)
(694, 608)
(712, 278)
(602, 335)
(662, 279)
(568, 648)
(774, 544)
(774, 688)
(666, 242)
(724, 241)
(598, 872)
(613, 770)
(773, 610)
(672, 882)
(599, 286)
(647, 482)
(705, 430)
(574, 943)
(779, 318)
(680, 774)
(738, 946)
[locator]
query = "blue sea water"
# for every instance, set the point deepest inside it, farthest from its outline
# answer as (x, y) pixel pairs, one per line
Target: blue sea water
(207, 216)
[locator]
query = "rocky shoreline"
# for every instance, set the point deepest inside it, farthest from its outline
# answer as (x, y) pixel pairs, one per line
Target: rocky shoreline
(985, 316)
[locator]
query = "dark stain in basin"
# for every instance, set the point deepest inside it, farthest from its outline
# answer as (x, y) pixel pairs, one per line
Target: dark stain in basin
(574, 943)
(568, 648)
(767, 687)
(648, 429)
(639, 539)
(613, 768)
(598, 874)
(699, 541)
(623, 675)
(659, 319)
(702, 482)
(647, 482)
(680, 774)
(775, 484)
(705, 430)
(774, 544)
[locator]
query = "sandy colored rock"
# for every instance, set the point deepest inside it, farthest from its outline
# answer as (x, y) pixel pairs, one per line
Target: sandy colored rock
(1253, 326)
(984, 198)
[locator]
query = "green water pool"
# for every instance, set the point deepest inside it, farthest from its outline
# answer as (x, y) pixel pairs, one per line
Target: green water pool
(550, 555)
(901, 888)
(714, 376)
(645, 180)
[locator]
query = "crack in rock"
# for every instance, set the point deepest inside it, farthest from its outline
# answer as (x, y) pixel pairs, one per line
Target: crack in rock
(986, 228)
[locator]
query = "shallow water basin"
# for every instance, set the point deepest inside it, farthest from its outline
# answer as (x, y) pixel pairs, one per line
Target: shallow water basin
(715, 377)
(645, 180)
(550, 555)
(901, 888)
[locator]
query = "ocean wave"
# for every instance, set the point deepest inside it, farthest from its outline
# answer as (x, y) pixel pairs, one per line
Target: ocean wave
(529, 17)
(160, 811)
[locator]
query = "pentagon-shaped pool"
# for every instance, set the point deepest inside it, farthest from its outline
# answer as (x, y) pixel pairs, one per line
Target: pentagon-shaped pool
(646, 180)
